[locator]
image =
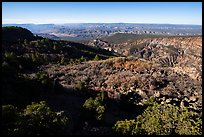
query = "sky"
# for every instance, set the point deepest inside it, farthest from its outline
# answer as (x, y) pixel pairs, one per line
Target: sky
(102, 12)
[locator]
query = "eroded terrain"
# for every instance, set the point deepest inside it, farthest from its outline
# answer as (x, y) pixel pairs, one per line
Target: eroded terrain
(169, 69)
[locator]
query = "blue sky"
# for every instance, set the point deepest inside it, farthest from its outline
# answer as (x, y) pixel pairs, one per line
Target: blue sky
(102, 12)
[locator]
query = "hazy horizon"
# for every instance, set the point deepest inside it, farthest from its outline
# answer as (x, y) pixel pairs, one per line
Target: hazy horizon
(101, 23)
(181, 13)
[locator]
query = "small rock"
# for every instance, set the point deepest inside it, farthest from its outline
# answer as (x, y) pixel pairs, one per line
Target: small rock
(157, 94)
(140, 103)
(174, 104)
(193, 99)
(186, 99)
(163, 98)
(154, 75)
(168, 100)
(196, 93)
(61, 78)
(184, 103)
(140, 92)
(175, 99)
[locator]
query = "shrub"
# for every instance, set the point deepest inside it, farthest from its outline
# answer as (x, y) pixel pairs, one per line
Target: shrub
(150, 101)
(10, 64)
(44, 81)
(126, 127)
(36, 119)
(39, 119)
(10, 116)
(43, 77)
(36, 58)
(62, 60)
(55, 47)
(162, 120)
(100, 110)
(7, 69)
(11, 58)
(82, 59)
(96, 58)
(80, 86)
(95, 106)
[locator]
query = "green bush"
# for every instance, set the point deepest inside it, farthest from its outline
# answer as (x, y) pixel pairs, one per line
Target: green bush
(62, 61)
(10, 116)
(82, 59)
(100, 110)
(10, 63)
(150, 101)
(45, 82)
(96, 58)
(43, 77)
(36, 119)
(95, 106)
(37, 58)
(39, 119)
(8, 69)
(162, 120)
(126, 127)
(80, 86)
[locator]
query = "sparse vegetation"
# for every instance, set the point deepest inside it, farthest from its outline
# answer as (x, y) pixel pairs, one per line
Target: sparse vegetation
(80, 86)
(96, 58)
(36, 119)
(95, 106)
(13, 34)
(162, 120)
(123, 37)
(99, 90)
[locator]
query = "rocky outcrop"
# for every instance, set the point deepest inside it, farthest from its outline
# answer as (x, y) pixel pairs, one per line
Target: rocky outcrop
(168, 69)
(99, 43)
(182, 54)
(122, 76)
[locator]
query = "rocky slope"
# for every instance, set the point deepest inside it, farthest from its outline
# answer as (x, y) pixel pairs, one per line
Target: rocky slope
(138, 77)
(183, 54)
(168, 69)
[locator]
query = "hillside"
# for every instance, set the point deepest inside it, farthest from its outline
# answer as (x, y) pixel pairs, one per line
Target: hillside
(14, 34)
(26, 46)
(124, 37)
(120, 76)
(100, 87)
(167, 70)
(183, 54)
(27, 53)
